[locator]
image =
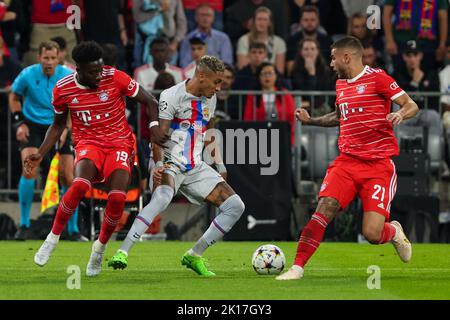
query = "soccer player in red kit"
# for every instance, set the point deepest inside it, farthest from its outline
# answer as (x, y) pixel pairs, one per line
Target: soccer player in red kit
(103, 142)
(366, 144)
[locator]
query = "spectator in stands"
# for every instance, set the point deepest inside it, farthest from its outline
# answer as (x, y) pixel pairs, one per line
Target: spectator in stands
(444, 77)
(246, 78)
(154, 18)
(9, 70)
(147, 74)
(110, 54)
(48, 20)
(355, 9)
(413, 78)
(239, 17)
(160, 52)
(370, 57)
(261, 30)
(191, 5)
(425, 21)
(198, 50)
(11, 18)
(309, 21)
(270, 106)
(311, 73)
(228, 104)
(218, 42)
(357, 27)
(32, 116)
(105, 23)
(63, 53)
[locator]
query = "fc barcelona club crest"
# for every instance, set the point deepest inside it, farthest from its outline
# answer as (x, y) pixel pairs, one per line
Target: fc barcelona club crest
(205, 112)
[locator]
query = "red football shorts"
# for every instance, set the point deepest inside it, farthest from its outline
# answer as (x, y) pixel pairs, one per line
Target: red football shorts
(106, 160)
(375, 181)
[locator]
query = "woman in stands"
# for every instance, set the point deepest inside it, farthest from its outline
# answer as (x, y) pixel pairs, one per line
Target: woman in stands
(311, 73)
(270, 106)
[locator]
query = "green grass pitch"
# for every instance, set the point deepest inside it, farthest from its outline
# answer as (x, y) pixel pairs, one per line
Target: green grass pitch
(336, 271)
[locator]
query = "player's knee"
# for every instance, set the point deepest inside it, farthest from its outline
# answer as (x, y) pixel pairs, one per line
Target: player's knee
(234, 206)
(163, 195)
(80, 186)
(372, 234)
(328, 207)
(116, 203)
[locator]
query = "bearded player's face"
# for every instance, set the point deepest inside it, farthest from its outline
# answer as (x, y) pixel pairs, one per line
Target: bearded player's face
(338, 63)
(211, 83)
(91, 73)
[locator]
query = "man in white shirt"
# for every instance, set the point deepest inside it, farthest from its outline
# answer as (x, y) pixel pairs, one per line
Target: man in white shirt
(147, 73)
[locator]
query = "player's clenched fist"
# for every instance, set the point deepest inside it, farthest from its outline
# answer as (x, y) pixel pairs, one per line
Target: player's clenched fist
(395, 118)
(31, 162)
(302, 115)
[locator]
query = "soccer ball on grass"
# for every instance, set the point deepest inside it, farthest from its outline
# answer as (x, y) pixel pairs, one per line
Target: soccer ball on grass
(268, 259)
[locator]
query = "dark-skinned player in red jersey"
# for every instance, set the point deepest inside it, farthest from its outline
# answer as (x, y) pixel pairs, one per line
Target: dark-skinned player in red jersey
(103, 142)
(366, 144)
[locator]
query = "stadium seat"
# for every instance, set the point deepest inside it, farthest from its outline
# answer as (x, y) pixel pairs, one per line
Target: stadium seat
(321, 149)
(434, 145)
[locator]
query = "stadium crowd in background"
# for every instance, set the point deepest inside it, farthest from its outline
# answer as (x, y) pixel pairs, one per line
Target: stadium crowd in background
(155, 37)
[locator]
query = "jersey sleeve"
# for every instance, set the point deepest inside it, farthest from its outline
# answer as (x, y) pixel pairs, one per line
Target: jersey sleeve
(388, 87)
(19, 85)
(166, 106)
(129, 87)
(58, 102)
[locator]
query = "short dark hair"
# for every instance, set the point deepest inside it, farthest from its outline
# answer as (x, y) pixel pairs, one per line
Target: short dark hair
(197, 41)
(48, 45)
(257, 45)
(159, 40)
(60, 41)
(348, 42)
(86, 52)
(110, 54)
(309, 8)
(163, 81)
(230, 68)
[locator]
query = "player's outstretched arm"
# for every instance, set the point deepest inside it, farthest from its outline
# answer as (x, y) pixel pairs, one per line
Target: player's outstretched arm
(157, 135)
(328, 120)
(212, 153)
(51, 137)
(408, 109)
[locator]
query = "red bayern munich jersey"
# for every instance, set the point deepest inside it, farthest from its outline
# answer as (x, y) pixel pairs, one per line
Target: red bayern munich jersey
(98, 115)
(364, 102)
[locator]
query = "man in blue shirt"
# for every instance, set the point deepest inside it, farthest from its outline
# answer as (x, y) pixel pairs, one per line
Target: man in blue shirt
(33, 116)
(217, 42)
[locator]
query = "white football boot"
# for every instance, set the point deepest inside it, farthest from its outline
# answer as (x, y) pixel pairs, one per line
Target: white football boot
(94, 266)
(294, 273)
(401, 242)
(44, 253)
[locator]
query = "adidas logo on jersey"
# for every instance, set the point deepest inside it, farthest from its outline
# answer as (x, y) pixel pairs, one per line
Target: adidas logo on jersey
(75, 100)
(381, 206)
(342, 94)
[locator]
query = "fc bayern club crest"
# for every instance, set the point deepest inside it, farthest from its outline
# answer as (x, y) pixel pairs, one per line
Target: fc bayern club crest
(103, 96)
(361, 89)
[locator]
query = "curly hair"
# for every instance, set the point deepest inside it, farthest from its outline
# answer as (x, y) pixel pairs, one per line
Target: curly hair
(86, 52)
(210, 63)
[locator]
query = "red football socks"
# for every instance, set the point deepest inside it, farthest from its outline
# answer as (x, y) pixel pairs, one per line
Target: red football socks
(310, 238)
(69, 202)
(113, 212)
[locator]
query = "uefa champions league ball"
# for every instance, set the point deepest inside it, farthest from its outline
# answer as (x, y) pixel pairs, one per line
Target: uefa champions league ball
(268, 259)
